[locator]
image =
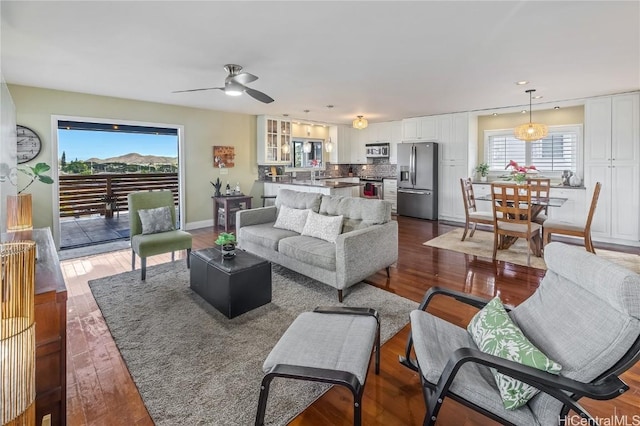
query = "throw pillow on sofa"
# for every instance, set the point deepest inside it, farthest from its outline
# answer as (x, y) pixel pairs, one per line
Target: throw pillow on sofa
(156, 220)
(494, 333)
(324, 227)
(291, 219)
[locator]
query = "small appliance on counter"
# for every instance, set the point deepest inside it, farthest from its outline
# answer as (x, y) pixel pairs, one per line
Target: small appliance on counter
(418, 180)
(371, 187)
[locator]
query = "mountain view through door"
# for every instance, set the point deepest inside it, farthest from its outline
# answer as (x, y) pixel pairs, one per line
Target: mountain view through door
(98, 165)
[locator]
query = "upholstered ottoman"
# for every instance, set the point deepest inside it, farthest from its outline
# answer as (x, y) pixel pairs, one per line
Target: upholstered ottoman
(331, 345)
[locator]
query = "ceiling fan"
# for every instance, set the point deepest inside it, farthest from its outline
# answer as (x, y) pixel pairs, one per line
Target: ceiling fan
(235, 84)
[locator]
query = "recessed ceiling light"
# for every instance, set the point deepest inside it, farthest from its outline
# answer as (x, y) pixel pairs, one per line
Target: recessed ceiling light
(329, 106)
(494, 114)
(522, 82)
(524, 111)
(285, 115)
(537, 97)
(556, 107)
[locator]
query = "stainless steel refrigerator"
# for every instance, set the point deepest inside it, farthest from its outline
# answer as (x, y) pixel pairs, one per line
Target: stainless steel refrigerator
(418, 180)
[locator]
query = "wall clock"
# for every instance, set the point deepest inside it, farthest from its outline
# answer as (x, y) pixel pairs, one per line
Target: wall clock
(29, 144)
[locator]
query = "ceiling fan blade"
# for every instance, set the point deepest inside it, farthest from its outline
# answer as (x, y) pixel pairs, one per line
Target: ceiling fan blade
(258, 95)
(243, 78)
(198, 90)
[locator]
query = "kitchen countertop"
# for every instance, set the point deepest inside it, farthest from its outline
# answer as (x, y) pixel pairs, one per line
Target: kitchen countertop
(322, 183)
(553, 185)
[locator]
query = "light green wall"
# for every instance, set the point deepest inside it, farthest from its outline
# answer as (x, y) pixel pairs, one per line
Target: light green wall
(550, 117)
(202, 130)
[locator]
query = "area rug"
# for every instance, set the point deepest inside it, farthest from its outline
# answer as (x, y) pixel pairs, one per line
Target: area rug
(481, 244)
(192, 365)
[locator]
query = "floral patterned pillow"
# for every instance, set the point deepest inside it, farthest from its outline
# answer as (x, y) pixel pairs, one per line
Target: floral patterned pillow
(494, 333)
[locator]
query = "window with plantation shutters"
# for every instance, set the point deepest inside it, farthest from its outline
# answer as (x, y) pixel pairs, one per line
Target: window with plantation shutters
(559, 151)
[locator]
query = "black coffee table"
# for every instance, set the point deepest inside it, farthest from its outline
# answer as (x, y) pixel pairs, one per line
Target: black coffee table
(231, 286)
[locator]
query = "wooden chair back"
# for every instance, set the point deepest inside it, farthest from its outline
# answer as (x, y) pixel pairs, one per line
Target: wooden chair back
(592, 209)
(540, 188)
(467, 196)
(511, 204)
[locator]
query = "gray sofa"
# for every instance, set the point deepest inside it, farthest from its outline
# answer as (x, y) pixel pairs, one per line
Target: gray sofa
(368, 242)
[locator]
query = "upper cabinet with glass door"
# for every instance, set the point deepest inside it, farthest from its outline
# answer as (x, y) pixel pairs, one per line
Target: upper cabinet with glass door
(274, 140)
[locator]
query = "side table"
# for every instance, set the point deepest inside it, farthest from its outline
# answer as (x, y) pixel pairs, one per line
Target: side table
(228, 202)
(233, 286)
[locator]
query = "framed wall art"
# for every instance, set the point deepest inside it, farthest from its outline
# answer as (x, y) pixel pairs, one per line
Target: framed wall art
(223, 156)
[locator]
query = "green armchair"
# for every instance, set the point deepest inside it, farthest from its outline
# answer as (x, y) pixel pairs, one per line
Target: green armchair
(152, 220)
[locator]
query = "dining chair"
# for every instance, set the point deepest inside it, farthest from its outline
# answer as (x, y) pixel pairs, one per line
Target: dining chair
(551, 226)
(472, 215)
(540, 189)
(512, 218)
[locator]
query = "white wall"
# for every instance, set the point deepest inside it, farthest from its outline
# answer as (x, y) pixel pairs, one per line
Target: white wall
(7, 149)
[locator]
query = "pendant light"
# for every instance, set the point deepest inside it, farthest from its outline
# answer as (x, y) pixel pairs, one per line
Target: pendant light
(360, 123)
(530, 131)
(329, 145)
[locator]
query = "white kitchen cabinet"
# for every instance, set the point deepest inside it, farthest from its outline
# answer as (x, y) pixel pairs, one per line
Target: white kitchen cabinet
(358, 150)
(396, 138)
(450, 204)
(612, 157)
(273, 134)
(420, 129)
(390, 193)
(573, 209)
(479, 190)
(453, 137)
(341, 139)
(379, 132)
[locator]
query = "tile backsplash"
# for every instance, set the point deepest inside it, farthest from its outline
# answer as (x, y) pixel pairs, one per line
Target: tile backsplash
(380, 167)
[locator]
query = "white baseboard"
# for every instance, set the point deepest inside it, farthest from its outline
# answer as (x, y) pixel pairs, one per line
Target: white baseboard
(200, 224)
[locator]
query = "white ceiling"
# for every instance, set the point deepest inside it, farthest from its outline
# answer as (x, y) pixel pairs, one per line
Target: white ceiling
(384, 60)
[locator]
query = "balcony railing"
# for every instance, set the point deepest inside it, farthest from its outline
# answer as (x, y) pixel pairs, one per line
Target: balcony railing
(82, 195)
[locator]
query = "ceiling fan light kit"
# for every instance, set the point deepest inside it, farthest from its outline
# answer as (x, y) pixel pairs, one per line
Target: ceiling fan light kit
(360, 123)
(235, 84)
(530, 131)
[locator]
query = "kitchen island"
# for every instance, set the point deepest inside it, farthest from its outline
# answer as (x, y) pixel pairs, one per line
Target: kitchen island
(323, 186)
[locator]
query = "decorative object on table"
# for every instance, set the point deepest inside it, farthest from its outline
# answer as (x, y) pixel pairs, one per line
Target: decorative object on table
(28, 144)
(17, 333)
(483, 169)
(360, 123)
(19, 207)
(519, 173)
(227, 243)
(575, 180)
(223, 156)
(217, 185)
(227, 190)
(566, 177)
(530, 131)
(237, 191)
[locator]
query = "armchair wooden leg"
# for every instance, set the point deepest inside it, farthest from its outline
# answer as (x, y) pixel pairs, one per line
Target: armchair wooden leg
(143, 264)
(388, 269)
(188, 258)
(340, 296)
(173, 256)
(133, 260)
(466, 228)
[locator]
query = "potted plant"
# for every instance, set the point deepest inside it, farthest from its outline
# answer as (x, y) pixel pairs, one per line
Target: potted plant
(227, 243)
(483, 169)
(19, 206)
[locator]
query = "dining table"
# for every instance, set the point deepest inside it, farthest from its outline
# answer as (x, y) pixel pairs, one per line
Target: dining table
(538, 205)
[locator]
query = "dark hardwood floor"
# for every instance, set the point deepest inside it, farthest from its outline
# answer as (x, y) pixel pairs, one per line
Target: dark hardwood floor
(100, 390)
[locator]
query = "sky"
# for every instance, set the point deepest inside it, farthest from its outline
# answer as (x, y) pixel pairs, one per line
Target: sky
(84, 144)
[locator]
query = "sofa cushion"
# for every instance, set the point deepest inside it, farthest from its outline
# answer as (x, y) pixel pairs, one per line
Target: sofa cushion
(324, 227)
(298, 200)
(264, 235)
(359, 213)
(291, 219)
(309, 250)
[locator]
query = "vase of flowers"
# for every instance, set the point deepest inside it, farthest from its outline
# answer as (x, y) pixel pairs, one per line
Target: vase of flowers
(227, 243)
